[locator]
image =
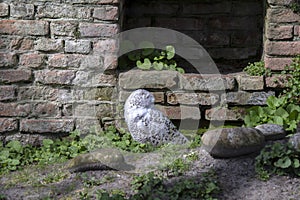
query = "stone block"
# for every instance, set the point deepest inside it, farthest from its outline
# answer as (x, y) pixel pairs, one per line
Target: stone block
(98, 94)
(282, 15)
(233, 23)
(281, 2)
(93, 1)
(279, 32)
(247, 8)
(159, 96)
(8, 59)
(22, 10)
(277, 64)
(7, 93)
(225, 114)
(206, 82)
(32, 60)
(63, 11)
(27, 93)
(175, 98)
(246, 98)
(8, 125)
(180, 23)
(141, 9)
(65, 60)
(78, 46)
(21, 44)
(46, 44)
(4, 9)
(246, 39)
(24, 27)
(106, 13)
(13, 76)
(92, 63)
(62, 77)
(276, 81)
(233, 53)
(45, 110)
(14, 110)
(88, 126)
(136, 79)
(105, 46)
(180, 112)
(97, 29)
(200, 7)
(92, 111)
(64, 28)
(286, 48)
(41, 126)
(297, 30)
(246, 82)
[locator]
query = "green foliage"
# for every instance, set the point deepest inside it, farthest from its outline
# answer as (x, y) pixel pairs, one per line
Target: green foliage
(281, 159)
(257, 69)
(147, 57)
(295, 6)
(151, 186)
(292, 91)
(278, 111)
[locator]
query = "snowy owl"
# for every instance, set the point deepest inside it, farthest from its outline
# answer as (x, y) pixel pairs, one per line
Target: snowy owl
(146, 123)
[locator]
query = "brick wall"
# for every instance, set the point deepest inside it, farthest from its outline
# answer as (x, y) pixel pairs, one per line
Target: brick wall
(230, 30)
(49, 52)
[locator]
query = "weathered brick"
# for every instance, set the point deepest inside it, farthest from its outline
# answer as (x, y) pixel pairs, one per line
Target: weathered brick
(63, 77)
(79, 46)
(97, 29)
(106, 13)
(140, 9)
(280, 2)
(45, 110)
(93, 1)
(297, 30)
(13, 76)
(21, 44)
(32, 60)
(88, 126)
(22, 10)
(277, 15)
(276, 81)
(8, 59)
(246, 82)
(206, 8)
(180, 23)
(65, 60)
(180, 112)
(225, 114)
(110, 62)
(92, 62)
(99, 94)
(132, 23)
(174, 98)
(7, 93)
(206, 82)
(24, 27)
(63, 11)
(93, 111)
(8, 125)
(94, 79)
(4, 10)
(105, 46)
(279, 32)
(38, 93)
(277, 63)
(135, 79)
(246, 98)
(45, 44)
(247, 8)
(159, 96)
(233, 23)
(246, 38)
(286, 48)
(14, 110)
(64, 28)
(47, 125)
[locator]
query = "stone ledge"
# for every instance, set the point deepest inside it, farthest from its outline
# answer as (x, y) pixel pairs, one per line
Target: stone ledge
(46, 126)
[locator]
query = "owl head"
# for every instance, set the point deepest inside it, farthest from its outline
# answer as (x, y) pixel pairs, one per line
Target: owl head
(140, 99)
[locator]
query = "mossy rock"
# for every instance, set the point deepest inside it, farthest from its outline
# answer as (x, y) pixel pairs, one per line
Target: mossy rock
(101, 159)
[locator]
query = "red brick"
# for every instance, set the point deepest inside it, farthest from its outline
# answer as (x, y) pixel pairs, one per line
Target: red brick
(47, 125)
(64, 28)
(105, 46)
(282, 48)
(277, 63)
(279, 32)
(63, 77)
(21, 44)
(46, 44)
(8, 125)
(7, 93)
(106, 13)
(24, 27)
(14, 110)
(65, 60)
(277, 15)
(13, 76)
(32, 60)
(97, 29)
(4, 10)
(8, 59)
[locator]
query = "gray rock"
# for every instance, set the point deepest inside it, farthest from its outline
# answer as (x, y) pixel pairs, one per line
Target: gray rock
(295, 141)
(232, 142)
(272, 131)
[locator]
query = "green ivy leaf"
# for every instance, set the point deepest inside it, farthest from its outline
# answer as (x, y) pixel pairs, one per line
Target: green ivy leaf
(15, 145)
(158, 65)
(296, 163)
(170, 52)
(283, 163)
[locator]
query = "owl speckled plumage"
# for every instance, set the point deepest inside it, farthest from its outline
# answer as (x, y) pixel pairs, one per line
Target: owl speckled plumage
(146, 123)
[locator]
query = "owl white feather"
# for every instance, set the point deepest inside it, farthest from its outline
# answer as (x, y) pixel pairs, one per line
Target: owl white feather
(146, 123)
